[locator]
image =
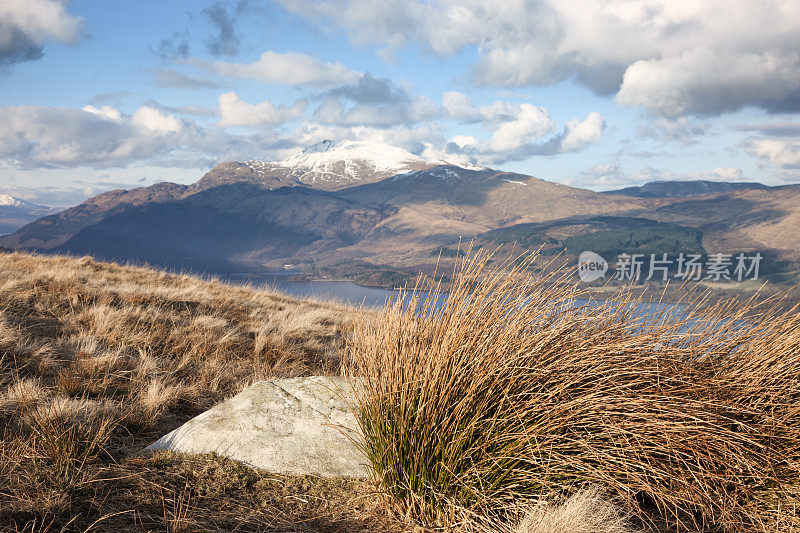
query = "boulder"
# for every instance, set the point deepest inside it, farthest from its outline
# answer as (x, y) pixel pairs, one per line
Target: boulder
(291, 426)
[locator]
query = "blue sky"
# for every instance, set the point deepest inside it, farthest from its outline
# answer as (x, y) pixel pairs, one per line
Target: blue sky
(98, 95)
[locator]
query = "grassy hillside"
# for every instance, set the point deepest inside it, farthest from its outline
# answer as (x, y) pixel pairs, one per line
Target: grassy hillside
(476, 416)
(98, 360)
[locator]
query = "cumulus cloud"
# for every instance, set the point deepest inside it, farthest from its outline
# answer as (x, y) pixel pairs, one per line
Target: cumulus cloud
(235, 112)
(525, 136)
(106, 111)
(57, 137)
(777, 146)
(26, 25)
(781, 153)
(529, 124)
(578, 135)
(371, 90)
(152, 119)
(460, 107)
(705, 81)
(704, 57)
(519, 128)
(290, 68)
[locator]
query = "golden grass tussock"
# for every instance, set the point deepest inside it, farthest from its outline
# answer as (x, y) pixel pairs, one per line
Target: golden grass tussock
(515, 390)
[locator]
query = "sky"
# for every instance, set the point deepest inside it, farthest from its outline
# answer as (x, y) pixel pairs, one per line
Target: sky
(98, 95)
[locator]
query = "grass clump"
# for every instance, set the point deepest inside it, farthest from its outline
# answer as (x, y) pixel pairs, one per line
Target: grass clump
(511, 393)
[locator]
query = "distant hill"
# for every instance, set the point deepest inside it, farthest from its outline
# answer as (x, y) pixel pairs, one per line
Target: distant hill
(15, 213)
(329, 208)
(683, 189)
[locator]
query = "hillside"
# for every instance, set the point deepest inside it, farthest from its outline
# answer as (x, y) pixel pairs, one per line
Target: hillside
(98, 360)
(682, 189)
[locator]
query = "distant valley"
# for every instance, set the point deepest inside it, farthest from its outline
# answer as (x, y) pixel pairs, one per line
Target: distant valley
(377, 213)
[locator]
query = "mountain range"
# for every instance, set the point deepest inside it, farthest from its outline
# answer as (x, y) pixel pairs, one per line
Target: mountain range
(333, 206)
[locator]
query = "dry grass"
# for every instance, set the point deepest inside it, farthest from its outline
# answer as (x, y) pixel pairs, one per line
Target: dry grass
(583, 512)
(98, 360)
(79, 328)
(510, 393)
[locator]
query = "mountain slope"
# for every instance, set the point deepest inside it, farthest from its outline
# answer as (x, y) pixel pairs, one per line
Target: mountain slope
(54, 230)
(683, 189)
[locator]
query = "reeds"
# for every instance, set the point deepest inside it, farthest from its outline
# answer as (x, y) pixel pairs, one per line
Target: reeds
(513, 392)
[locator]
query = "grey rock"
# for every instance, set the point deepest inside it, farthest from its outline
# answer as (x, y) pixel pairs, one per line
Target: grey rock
(291, 426)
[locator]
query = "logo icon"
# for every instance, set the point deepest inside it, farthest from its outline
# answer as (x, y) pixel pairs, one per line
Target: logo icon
(591, 266)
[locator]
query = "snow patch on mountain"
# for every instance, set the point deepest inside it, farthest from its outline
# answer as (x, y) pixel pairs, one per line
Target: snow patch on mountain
(333, 165)
(10, 201)
(351, 161)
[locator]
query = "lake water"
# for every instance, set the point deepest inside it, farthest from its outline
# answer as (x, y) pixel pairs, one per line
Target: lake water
(257, 275)
(342, 291)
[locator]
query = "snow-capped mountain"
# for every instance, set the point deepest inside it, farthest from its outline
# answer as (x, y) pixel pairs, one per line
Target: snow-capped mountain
(10, 201)
(327, 165)
(332, 165)
(15, 213)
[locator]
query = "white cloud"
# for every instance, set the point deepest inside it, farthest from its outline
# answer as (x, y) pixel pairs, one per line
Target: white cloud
(782, 153)
(710, 82)
(373, 101)
(154, 120)
(703, 57)
(459, 106)
(721, 174)
(581, 134)
(530, 124)
(57, 137)
(290, 68)
(105, 111)
(602, 176)
(235, 112)
(777, 147)
(463, 141)
(26, 25)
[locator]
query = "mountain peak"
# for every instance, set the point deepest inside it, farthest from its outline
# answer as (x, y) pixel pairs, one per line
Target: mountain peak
(322, 146)
(10, 201)
(348, 162)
